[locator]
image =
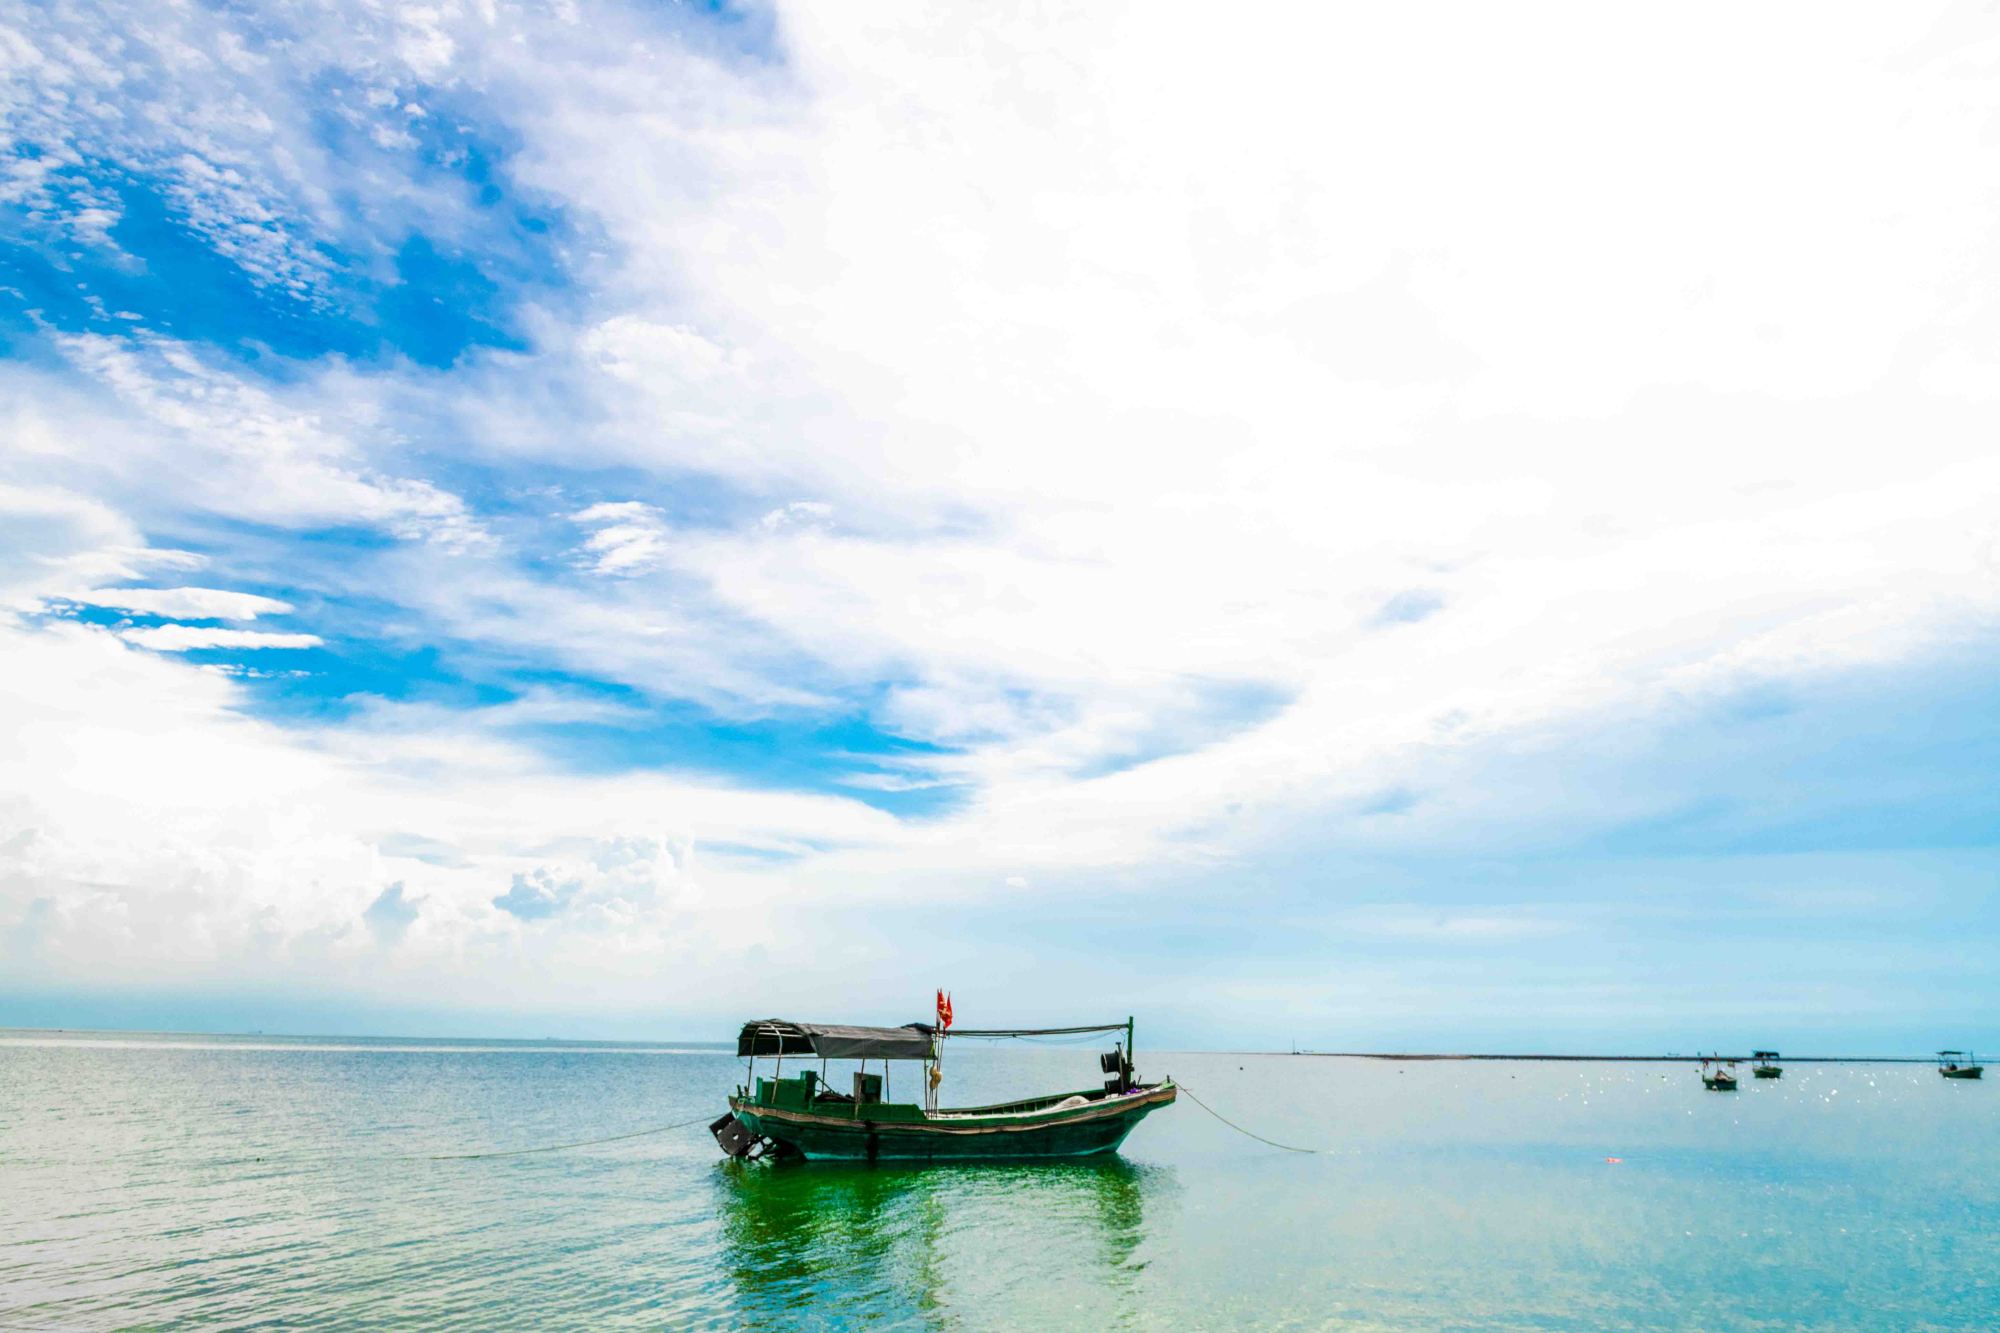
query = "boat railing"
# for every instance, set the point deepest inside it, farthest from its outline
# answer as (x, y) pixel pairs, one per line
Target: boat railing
(1024, 1105)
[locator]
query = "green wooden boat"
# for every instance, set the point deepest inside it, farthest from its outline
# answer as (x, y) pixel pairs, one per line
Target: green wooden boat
(1959, 1064)
(1722, 1080)
(1767, 1065)
(802, 1116)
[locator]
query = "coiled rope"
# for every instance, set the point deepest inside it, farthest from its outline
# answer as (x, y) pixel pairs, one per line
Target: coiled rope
(1249, 1133)
(559, 1147)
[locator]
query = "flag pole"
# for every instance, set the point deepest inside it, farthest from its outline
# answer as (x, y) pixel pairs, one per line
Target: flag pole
(942, 1030)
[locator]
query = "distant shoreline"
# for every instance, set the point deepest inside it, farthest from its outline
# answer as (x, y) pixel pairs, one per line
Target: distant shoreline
(1615, 1059)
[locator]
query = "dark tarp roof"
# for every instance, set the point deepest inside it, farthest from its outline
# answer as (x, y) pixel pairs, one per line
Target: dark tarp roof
(834, 1041)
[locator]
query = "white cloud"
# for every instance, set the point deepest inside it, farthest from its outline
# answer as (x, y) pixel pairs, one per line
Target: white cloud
(188, 603)
(145, 816)
(618, 881)
(55, 543)
(250, 132)
(229, 444)
(187, 638)
(668, 356)
(1115, 414)
(797, 514)
(1173, 468)
(1110, 414)
(629, 537)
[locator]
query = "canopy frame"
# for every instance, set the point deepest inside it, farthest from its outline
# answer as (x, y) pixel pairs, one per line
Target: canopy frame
(1041, 1032)
(833, 1041)
(843, 1041)
(780, 1037)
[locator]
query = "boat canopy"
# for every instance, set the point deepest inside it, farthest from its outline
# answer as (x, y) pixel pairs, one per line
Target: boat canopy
(834, 1041)
(1764, 1055)
(843, 1041)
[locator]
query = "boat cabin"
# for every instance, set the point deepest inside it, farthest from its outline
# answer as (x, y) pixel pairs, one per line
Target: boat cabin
(776, 1039)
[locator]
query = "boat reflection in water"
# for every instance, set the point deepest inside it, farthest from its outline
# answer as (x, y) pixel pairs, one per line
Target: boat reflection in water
(909, 1244)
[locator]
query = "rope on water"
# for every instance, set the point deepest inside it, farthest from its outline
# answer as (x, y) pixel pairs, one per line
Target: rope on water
(1240, 1130)
(558, 1147)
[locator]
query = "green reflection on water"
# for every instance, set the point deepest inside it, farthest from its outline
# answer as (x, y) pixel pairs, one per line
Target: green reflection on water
(928, 1243)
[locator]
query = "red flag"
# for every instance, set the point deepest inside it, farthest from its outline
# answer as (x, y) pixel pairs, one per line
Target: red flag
(943, 1012)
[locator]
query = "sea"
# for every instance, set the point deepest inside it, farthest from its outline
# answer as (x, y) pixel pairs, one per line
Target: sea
(161, 1181)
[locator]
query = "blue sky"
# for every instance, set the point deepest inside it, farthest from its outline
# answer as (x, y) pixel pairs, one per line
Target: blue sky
(518, 525)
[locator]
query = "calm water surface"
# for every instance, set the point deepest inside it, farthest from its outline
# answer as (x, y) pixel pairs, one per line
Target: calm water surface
(149, 1180)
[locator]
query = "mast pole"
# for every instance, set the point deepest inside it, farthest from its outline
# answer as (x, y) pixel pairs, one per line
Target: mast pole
(1130, 1063)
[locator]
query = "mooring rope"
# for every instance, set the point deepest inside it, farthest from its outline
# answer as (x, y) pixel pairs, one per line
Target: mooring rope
(684, 1124)
(558, 1147)
(1251, 1133)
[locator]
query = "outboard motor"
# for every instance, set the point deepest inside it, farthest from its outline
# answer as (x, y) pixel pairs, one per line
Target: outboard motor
(732, 1137)
(740, 1141)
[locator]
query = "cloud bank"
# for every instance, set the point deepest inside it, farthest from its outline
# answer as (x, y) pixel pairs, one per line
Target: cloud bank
(712, 492)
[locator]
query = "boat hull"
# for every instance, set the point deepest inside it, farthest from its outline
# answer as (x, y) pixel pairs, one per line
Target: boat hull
(1968, 1071)
(1079, 1132)
(1768, 1073)
(1719, 1084)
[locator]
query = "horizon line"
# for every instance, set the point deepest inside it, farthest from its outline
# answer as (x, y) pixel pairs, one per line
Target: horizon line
(1408, 1056)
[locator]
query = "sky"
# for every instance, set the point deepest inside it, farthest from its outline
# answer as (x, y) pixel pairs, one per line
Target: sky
(1367, 528)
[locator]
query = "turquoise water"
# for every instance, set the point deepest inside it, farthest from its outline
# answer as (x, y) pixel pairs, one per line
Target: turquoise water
(150, 1180)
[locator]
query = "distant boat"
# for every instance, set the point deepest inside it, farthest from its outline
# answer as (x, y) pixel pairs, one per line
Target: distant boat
(1722, 1080)
(1767, 1064)
(803, 1116)
(1958, 1064)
